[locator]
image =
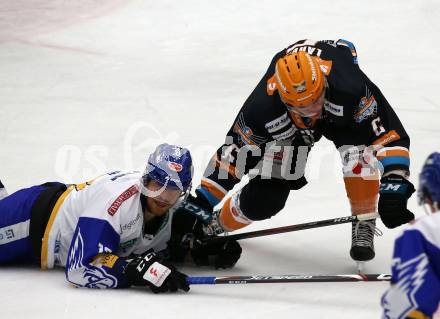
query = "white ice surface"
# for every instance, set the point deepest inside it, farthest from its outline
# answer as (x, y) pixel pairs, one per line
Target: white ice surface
(88, 86)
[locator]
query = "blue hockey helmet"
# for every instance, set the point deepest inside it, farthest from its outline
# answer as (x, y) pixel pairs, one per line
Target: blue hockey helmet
(429, 181)
(170, 166)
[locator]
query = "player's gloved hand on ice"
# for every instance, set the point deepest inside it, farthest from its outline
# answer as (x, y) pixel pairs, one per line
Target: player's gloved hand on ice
(188, 231)
(393, 197)
(219, 255)
(148, 270)
(185, 229)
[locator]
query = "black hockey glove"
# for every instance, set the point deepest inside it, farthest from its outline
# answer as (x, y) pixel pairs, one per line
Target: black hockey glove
(187, 226)
(393, 197)
(187, 236)
(148, 270)
(185, 230)
(220, 255)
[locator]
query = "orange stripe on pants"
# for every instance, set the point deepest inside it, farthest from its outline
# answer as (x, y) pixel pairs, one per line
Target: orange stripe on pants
(362, 193)
(229, 216)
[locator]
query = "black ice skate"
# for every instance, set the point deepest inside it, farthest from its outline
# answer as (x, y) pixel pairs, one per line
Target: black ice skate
(362, 240)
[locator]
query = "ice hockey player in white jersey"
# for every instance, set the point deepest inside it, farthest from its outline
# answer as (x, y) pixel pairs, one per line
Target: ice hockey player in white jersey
(105, 232)
(415, 283)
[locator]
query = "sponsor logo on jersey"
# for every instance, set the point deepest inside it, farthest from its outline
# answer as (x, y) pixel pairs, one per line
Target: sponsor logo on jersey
(245, 133)
(389, 137)
(367, 107)
(275, 157)
(277, 123)
(133, 190)
(285, 135)
(175, 166)
(335, 109)
(107, 260)
(352, 154)
(131, 223)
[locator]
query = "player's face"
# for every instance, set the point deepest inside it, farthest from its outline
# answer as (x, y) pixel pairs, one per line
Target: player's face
(312, 110)
(160, 199)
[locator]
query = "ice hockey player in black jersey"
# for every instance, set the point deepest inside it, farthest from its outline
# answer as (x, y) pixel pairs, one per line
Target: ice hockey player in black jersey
(312, 89)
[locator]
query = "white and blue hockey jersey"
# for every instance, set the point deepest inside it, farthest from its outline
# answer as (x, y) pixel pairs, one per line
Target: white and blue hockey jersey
(415, 282)
(95, 223)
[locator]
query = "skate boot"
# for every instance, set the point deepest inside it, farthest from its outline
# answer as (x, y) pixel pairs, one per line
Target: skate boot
(362, 240)
(3, 192)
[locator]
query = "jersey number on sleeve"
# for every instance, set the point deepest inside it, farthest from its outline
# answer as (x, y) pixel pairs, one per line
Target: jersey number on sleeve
(377, 126)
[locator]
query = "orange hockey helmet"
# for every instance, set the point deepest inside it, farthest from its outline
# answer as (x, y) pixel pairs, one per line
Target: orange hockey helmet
(299, 79)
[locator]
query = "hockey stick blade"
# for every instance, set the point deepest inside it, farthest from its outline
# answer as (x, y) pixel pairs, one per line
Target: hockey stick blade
(291, 228)
(238, 280)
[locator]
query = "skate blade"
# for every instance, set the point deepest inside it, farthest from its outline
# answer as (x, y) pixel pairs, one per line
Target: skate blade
(360, 265)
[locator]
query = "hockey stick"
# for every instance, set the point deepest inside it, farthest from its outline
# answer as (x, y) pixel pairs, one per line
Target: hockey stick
(291, 228)
(236, 280)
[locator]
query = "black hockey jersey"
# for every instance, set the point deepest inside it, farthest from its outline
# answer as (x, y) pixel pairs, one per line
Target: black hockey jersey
(355, 113)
